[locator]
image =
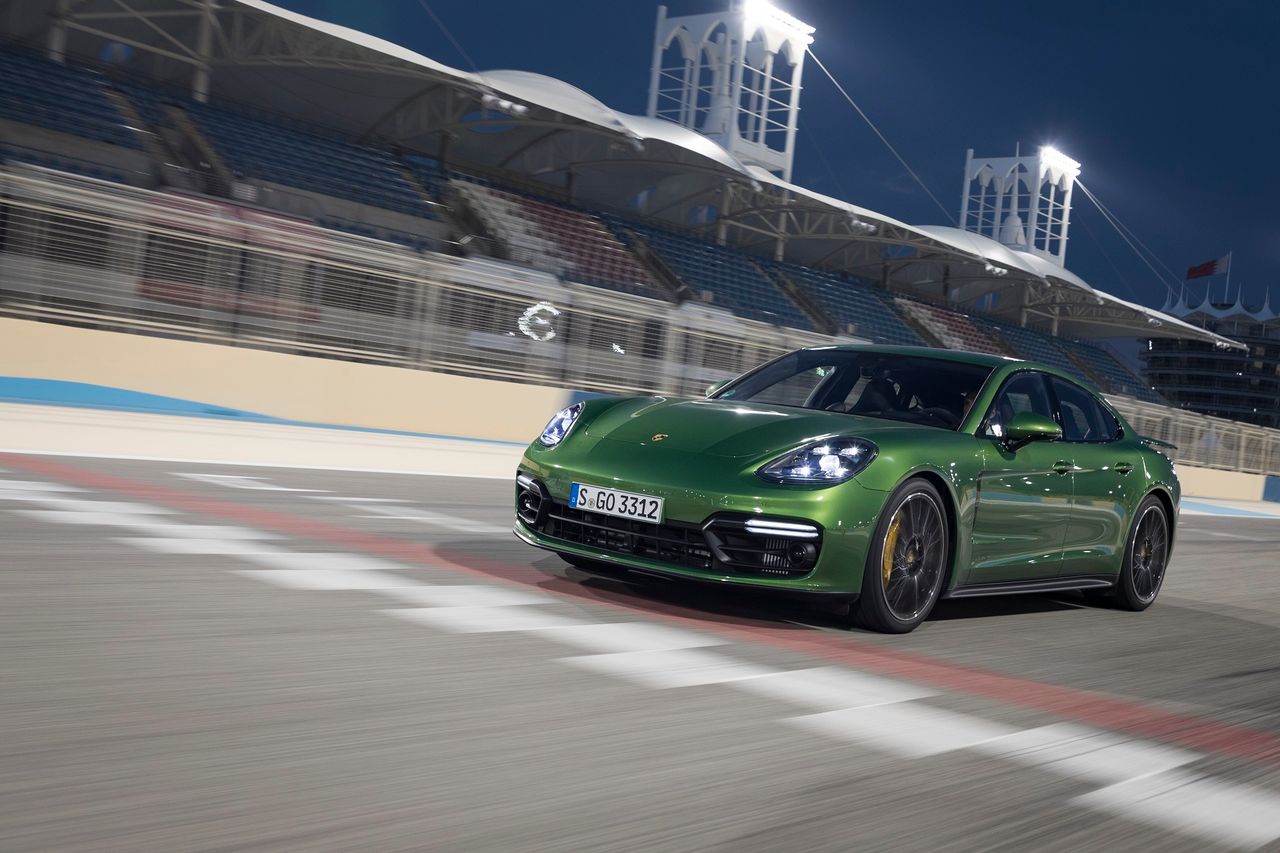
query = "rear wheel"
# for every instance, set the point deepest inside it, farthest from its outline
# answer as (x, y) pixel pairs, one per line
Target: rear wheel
(1145, 558)
(907, 562)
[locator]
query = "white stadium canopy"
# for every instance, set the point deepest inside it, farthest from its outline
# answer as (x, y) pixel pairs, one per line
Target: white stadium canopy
(556, 139)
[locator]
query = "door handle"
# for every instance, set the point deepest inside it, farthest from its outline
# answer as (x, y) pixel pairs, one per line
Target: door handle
(1123, 467)
(1061, 467)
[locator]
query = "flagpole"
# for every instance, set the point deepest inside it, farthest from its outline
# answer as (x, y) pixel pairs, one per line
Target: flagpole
(1227, 295)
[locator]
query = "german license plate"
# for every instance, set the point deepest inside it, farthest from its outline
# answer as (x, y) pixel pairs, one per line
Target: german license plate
(614, 502)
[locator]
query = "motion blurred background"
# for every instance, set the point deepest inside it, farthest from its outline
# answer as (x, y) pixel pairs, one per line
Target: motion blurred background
(316, 289)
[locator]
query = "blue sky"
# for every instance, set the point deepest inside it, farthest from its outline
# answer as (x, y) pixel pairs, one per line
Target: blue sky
(1170, 106)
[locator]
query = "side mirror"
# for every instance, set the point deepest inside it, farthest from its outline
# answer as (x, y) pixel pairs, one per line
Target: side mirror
(1027, 427)
(716, 386)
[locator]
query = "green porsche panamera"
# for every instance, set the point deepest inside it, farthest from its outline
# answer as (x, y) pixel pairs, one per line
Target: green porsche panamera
(889, 477)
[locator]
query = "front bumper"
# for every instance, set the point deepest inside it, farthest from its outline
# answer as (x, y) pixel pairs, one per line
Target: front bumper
(709, 540)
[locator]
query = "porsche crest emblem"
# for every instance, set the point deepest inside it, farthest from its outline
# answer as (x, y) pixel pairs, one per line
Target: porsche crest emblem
(659, 437)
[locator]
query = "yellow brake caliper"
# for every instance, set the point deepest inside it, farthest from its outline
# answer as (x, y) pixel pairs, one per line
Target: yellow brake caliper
(890, 545)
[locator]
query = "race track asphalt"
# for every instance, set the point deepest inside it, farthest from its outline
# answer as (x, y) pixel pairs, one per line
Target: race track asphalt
(212, 657)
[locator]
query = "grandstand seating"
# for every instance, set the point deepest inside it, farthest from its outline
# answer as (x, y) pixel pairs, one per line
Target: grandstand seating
(955, 331)
(62, 164)
(307, 160)
(1111, 374)
(733, 280)
(857, 308)
(147, 101)
(558, 239)
(549, 235)
(427, 172)
(1030, 345)
(66, 98)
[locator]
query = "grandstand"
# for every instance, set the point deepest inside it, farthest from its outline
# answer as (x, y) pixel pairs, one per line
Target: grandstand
(62, 97)
(1243, 386)
(950, 329)
(275, 153)
(467, 200)
(557, 238)
(857, 308)
(719, 276)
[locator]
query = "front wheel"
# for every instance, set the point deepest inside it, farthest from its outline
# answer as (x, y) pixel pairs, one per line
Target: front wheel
(1145, 557)
(907, 561)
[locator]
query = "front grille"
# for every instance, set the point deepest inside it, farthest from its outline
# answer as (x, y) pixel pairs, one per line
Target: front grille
(726, 545)
(675, 544)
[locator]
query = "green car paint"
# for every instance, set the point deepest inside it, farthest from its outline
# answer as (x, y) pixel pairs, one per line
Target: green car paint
(1043, 512)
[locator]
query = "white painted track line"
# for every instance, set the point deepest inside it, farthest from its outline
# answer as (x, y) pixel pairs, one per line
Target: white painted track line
(57, 501)
(433, 595)
(145, 524)
(612, 637)
(352, 500)
(36, 486)
(910, 730)
(669, 668)
(194, 546)
(322, 560)
(399, 512)
(327, 579)
(831, 688)
(1178, 801)
(241, 481)
(480, 620)
(1082, 753)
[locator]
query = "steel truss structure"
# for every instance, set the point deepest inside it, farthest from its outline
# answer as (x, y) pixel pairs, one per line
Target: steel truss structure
(562, 142)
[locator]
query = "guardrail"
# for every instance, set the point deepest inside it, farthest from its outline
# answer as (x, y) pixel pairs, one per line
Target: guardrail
(95, 254)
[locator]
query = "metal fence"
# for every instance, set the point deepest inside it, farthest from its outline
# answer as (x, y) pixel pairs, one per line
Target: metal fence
(100, 255)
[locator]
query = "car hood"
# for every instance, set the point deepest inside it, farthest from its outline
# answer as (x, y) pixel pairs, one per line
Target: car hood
(726, 428)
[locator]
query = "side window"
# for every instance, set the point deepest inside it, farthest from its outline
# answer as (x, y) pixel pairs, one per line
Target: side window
(1083, 417)
(1025, 392)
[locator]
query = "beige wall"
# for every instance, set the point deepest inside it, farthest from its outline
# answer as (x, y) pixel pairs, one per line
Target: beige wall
(1228, 485)
(336, 392)
(285, 386)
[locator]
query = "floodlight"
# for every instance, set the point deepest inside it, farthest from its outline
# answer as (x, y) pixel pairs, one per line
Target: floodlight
(1055, 159)
(764, 12)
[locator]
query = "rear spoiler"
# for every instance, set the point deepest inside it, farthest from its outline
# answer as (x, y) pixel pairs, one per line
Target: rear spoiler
(1155, 442)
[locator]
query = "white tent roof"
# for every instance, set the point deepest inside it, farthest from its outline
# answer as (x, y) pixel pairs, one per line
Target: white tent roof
(557, 135)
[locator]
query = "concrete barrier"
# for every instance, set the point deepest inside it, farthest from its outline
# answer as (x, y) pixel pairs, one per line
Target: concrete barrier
(301, 388)
(184, 439)
(1227, 485)
(284, 386)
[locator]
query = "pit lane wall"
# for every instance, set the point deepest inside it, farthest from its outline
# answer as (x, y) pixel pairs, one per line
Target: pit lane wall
(258, 385)
(85, 368)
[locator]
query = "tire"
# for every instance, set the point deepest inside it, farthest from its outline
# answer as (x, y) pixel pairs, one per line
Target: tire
(1146, 557)
(913, 528)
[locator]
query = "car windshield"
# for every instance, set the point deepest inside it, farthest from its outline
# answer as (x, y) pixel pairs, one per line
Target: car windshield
(916, 389)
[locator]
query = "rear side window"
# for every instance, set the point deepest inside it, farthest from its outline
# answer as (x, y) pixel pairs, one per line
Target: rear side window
(1083, 417)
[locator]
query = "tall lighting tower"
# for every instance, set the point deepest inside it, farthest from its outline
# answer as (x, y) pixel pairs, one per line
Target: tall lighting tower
(733, 76)
(1022, 201)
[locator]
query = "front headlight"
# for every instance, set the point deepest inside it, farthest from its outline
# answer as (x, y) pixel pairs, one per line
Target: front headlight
(560, 425)
(831, 460)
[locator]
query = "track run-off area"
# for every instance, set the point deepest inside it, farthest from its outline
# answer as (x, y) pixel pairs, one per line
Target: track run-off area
(216, 657)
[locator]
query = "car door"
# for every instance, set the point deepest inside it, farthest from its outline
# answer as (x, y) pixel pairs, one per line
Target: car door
(1023, 503)
(1102, 465)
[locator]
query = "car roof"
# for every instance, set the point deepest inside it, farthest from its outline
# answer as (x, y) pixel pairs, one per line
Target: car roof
(961, 356)
(983, 359)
